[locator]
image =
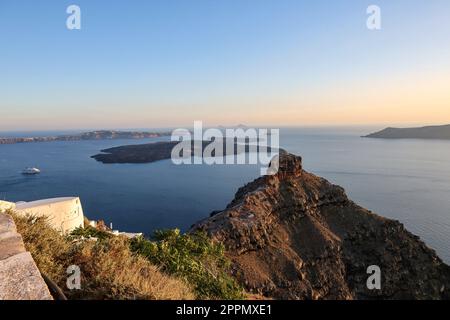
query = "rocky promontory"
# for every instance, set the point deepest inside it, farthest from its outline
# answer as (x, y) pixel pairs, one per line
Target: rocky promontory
(295, 235)
(429, 132)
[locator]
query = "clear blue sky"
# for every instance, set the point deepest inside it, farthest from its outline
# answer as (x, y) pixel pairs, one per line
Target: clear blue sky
(167, 63)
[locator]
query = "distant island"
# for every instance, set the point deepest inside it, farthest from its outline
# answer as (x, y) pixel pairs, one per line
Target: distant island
(92, 135)
(152, 152)
(429, 132)
(142, 153)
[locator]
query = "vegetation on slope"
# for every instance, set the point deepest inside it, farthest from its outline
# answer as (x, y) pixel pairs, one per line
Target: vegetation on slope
(170, 266)
(109, 270)
(193, 257)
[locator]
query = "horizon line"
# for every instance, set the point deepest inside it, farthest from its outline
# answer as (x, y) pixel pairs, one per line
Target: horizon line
(271, 126)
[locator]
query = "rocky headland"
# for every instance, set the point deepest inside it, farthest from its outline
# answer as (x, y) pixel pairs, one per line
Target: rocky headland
(429, 132)
(297, 236)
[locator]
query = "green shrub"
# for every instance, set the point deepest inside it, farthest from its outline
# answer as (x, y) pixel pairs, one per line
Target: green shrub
(89, 232)
(194, 257)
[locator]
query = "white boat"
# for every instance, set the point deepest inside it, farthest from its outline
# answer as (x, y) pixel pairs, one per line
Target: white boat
(31, 171)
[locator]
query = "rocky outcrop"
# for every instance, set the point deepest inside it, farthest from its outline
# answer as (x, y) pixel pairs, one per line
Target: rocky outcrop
(20, 278)
(296, 236)
(429, 132)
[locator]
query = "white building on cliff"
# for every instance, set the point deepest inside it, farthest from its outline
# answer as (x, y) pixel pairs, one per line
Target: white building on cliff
(64, 214)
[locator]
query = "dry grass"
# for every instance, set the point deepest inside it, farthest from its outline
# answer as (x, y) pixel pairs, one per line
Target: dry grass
(109, 269)
(49, 249)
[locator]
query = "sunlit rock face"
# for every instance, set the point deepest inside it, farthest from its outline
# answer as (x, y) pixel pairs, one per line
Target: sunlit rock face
(294, 235)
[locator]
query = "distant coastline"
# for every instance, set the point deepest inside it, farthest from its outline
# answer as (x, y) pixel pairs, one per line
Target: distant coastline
(92, 135)
(428, 132)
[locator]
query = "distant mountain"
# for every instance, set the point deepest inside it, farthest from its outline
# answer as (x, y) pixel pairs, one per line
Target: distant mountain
(93, 135)
(429, 132)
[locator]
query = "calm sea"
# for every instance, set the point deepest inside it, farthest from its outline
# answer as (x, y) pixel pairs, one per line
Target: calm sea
(407, 180)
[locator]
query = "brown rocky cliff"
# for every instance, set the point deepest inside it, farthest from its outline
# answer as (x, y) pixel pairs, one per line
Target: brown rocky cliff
(296, 236)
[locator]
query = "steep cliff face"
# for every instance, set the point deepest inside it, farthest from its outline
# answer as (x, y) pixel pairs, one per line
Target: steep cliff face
(297, 236)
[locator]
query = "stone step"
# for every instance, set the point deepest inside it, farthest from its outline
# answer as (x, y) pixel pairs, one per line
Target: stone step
(7, 223)
(21, 279)
(11, 243)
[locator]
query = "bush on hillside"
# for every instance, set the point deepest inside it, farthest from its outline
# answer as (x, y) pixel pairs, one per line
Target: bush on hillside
(90, 232)
(193, 257)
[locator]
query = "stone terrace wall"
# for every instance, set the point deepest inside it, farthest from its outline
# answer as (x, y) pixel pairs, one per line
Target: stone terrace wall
(20, 278)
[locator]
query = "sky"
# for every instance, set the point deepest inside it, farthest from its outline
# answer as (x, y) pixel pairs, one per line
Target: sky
(166, 63)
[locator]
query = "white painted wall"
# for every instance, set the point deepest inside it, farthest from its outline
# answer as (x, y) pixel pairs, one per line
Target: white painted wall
(65, 214)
